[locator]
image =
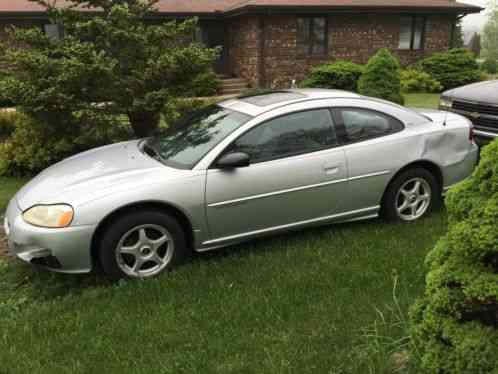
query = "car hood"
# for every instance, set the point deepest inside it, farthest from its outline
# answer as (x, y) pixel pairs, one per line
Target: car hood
(481, 92)
(93, 174)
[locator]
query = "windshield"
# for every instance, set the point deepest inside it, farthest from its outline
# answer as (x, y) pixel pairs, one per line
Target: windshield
(191, 138)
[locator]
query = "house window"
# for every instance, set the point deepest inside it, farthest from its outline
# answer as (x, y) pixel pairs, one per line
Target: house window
(53, 30)
(312, 35)
(411, 34)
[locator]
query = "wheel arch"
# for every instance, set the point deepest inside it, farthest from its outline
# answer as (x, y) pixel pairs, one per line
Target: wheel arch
(164, 207)
(430, 166)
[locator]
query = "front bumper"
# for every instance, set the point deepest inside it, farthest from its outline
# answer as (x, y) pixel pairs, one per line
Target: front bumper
(485, 125)
(64, 250)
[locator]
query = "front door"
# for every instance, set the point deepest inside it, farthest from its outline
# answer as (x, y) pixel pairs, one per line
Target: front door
(213, 35)
(296, 174)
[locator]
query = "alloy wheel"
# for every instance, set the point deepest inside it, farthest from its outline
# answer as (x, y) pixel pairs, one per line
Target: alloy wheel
(413, 199)
(144, 251)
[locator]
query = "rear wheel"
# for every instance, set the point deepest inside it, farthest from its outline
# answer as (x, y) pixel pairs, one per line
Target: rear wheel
(412, 195)
(142, 245)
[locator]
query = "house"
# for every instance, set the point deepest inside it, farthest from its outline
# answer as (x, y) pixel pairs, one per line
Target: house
(271, 42)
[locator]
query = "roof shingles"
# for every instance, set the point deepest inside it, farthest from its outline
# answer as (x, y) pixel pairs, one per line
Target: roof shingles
(211, 6)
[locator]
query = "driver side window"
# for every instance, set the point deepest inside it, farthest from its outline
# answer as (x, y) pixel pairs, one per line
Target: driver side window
(289, 135)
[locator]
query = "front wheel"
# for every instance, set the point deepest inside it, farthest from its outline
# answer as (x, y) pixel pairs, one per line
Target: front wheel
(142, 245)
(412, 195)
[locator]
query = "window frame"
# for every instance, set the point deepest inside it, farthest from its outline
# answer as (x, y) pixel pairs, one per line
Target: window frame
(413, 26)
(311, 41)
(60, 30)
(333, 129)
(342, 134)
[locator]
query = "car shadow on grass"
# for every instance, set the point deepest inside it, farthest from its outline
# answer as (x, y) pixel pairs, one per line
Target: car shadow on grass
(42, 285)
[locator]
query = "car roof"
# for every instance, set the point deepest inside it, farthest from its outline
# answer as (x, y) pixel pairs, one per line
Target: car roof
(264, 101)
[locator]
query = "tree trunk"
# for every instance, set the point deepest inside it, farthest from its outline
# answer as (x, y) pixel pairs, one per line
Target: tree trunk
(144, 123)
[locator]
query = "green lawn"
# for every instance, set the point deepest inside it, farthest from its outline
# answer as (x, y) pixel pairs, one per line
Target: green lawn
(422, 100)
(321, 300)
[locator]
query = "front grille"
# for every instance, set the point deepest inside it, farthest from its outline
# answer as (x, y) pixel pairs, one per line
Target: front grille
(488, 123)
(475, 108)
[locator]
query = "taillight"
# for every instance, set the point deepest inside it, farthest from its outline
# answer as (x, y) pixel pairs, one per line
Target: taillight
(471, 133)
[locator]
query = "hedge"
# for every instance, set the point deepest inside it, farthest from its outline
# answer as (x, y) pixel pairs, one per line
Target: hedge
(456, 321)
(342, 75)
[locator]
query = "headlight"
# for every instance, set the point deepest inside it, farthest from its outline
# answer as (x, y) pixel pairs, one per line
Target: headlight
(52, 216)
(445, 103)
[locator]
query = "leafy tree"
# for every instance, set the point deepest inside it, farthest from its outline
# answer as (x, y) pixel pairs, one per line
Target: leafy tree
(109, 63)
(458, 35)
(456, 321)
(381, 77)
(475, 44)
(490, 34)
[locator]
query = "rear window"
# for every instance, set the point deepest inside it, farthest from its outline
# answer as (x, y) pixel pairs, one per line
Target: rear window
(271, 98)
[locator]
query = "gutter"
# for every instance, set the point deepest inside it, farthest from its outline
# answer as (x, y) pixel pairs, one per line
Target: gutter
(262, 9)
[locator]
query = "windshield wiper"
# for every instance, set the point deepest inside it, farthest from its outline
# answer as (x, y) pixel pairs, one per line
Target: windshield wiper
(151, 152)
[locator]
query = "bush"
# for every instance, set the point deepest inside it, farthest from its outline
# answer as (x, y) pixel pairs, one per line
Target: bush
(417, 81)
(454, 68)
(490, 66)
(343, 75)
(7, 119)
(206, 84)
(33, 146)
(382, 78)
(181, 108)
(456, 321)
(5, 102)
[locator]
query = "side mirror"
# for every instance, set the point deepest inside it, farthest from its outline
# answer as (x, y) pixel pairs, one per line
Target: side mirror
(234, 160)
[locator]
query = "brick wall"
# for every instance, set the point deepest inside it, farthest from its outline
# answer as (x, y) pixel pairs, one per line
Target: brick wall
(351, 37)
(243, 36)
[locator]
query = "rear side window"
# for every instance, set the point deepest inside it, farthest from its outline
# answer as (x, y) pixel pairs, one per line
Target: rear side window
(363, 124)
(289, 135)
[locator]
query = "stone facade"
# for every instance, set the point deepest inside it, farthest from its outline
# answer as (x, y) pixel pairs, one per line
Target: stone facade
(263, 49)
(243, 40)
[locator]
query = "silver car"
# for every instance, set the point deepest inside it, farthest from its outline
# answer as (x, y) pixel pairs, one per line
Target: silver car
(244, 168)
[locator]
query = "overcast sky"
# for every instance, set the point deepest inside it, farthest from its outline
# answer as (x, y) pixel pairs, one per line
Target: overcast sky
(474, 22)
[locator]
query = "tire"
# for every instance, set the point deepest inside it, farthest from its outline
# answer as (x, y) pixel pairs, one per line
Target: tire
(142, 244)
(420, 201)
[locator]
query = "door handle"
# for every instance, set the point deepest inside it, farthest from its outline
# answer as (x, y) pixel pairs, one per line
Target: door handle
(331, 170)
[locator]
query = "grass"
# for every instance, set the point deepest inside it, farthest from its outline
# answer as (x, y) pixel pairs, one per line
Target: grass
(326, 300)
(422, 100)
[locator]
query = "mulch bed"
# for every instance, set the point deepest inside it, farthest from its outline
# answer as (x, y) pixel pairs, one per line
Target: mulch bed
(4, 251)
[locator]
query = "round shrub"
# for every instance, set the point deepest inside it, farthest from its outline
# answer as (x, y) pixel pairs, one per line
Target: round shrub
(382, 78)
(341, 75)
(490, 66)
(33, 146)
(456, 321)
(417, 81)
(454, 68)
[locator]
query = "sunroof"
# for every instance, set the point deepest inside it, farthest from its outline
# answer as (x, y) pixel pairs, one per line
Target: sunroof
(270, 98)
